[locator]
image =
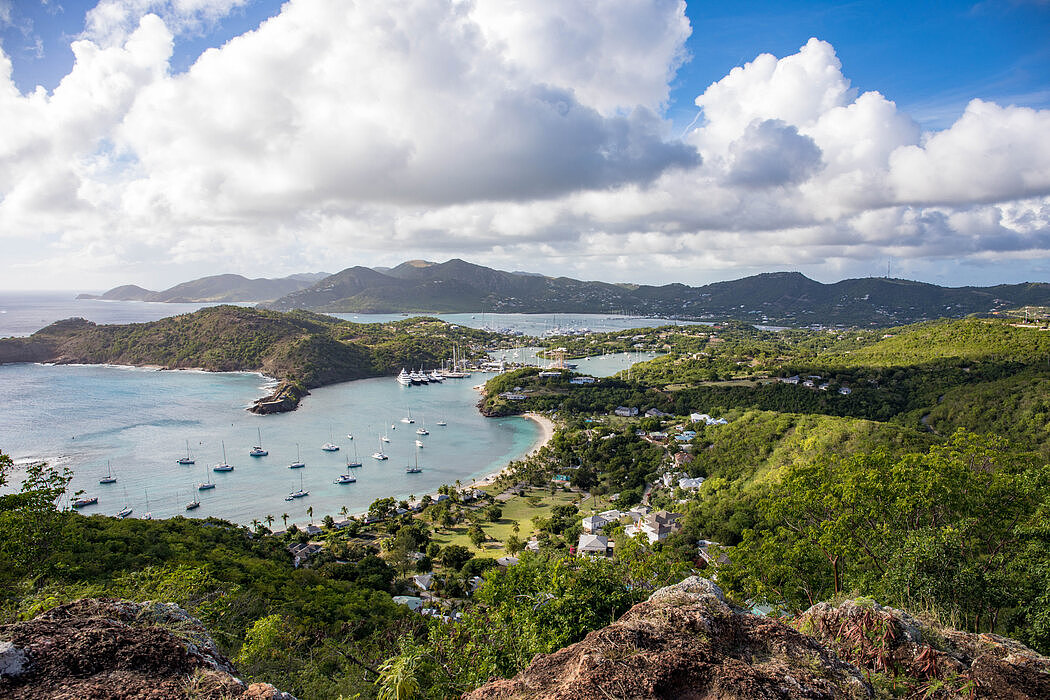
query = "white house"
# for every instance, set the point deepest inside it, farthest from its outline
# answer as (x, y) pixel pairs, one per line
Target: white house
(691, 484)
(611, 515)
(594, 523)
(657, 527)
(582, 380)
(423, 581)
(626, 411)
(594, 544)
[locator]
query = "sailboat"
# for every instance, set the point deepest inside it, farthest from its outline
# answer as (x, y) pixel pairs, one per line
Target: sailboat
(414, 469)
(379, 455)
(355, 463)
(126, 510)
(148, 515)
(108, 478)
(224, 467)
(258, 451)
(347, 478)
(330, 446)
(297, 494)
(422, 430)
(205, 485)
(298, 463)
(408, 418)
(194, 501)
(419, 443)
(187, 459)
(442, 423)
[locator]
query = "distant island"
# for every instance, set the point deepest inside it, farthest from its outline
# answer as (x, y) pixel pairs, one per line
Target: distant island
(457, 286)
(302, 350)
(216, 288)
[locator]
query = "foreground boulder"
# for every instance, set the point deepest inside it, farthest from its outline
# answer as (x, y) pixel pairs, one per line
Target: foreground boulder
(101, 648)
(687, 643)
(924, 659)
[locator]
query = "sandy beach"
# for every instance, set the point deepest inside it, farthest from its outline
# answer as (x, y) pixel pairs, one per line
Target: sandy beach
(546, 433)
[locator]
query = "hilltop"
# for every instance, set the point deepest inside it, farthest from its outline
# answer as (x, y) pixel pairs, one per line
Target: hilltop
(301, 349)
(781, 298)
(215, 288)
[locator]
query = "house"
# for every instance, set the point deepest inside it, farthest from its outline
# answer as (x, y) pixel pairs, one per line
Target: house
(511, 396)
(302, 551)
(681, 459)
(532, 545)
(611, 516)
(706, 419)
(690, 484)
(594, 545)
(560, 479)
(582, 380)
(845, 390)
(656, 527)
(549, 374)
(312, 529)
(423, 581)
(440, 497)
(626, 411)
(507, 561)
(710, 557)
(594, 523)
(789, 380)
(656, 413)
(638, 513)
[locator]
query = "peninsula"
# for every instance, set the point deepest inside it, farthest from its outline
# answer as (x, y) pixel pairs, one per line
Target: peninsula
(301, 350)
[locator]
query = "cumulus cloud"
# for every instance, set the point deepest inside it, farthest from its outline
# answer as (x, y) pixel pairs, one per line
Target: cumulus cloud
(502, 131)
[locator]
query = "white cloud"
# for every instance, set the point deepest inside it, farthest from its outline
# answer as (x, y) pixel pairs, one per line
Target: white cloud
(527, 135)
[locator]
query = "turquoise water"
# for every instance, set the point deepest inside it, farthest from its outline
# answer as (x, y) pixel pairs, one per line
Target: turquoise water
(139, 421)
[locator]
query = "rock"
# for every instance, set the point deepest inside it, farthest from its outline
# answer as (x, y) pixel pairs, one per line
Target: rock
(104, 648)
(284, 398)
(686, 642)
(12, 660)
(691, 589)
(933, 661)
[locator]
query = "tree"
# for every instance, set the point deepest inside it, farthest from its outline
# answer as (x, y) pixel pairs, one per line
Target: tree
(345, 512)
(454, 556)
(284, 518)
(30, 519)
(328, 522)
(269, 520)
(310, 512)
(514, 544)
(494, 513)
(476, 535)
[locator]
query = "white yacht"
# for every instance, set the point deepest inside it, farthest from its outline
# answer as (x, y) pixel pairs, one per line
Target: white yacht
(404, 379)
(258, 450)
(225, 466)
(298, 463)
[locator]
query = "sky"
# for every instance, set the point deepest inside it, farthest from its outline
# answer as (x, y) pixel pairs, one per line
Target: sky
(650, 141)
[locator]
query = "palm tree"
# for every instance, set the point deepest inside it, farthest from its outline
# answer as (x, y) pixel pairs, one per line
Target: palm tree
(284, 517)
(255, 524)
(310, 512)
(269, 520)
(345, 511)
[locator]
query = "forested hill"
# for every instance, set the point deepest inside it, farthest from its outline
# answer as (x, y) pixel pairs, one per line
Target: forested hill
(302, 349)
(782, 298)
(216, 288)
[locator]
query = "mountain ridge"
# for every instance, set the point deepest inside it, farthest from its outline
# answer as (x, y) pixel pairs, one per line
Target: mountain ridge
(775, 298)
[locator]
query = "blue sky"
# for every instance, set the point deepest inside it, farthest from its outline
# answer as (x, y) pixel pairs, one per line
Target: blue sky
(931, 58)
(626, 140)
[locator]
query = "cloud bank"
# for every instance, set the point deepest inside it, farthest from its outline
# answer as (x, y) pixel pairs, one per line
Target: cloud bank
(524, 135)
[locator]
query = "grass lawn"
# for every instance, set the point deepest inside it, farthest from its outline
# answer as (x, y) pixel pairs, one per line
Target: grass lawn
(516, 509)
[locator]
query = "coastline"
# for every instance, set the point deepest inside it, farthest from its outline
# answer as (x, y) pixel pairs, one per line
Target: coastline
(546, 433)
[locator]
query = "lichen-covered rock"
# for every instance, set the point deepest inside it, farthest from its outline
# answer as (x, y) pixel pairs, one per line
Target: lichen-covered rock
(927, 660)
(102, 648)
(686, 642)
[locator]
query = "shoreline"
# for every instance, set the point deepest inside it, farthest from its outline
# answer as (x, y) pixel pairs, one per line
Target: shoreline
(546, 433)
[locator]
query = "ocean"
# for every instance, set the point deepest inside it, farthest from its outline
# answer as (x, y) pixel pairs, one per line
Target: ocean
(138, 422)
